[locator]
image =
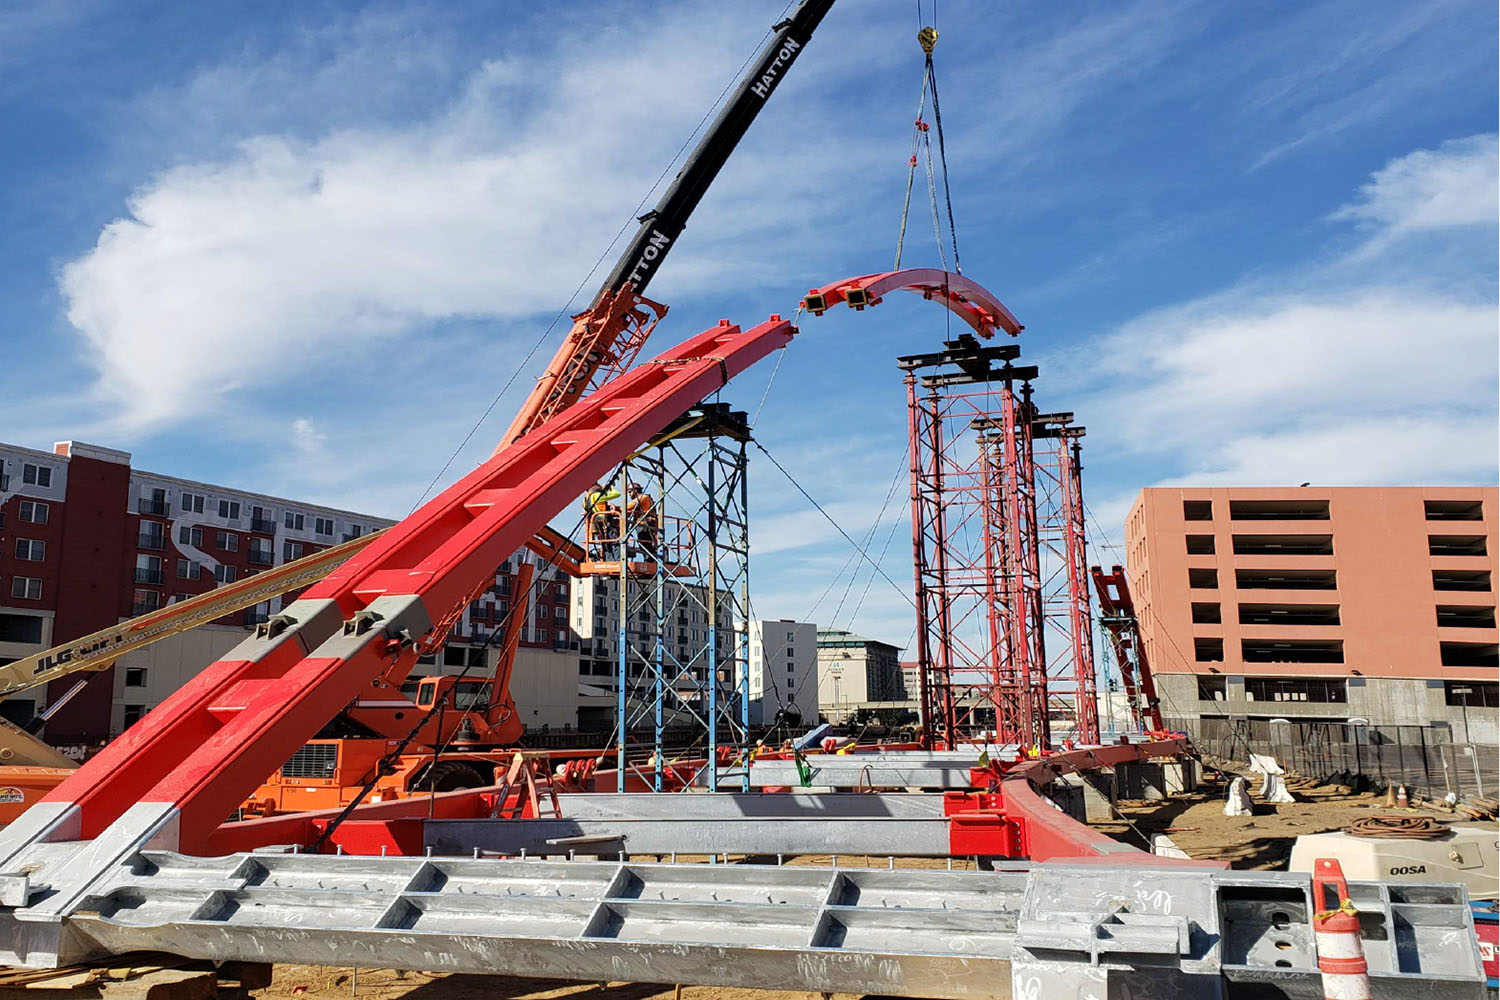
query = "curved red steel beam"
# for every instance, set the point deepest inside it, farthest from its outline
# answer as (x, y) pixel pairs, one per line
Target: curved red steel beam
(968, 300)
(1050, 835)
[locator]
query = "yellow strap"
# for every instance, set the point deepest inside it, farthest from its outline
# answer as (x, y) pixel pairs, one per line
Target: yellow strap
(1347, 906)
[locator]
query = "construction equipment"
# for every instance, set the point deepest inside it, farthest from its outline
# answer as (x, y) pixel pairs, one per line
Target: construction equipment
(604, 342)
(1117, 615)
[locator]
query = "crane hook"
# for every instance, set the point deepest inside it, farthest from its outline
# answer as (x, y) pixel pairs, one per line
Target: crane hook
(927, 38)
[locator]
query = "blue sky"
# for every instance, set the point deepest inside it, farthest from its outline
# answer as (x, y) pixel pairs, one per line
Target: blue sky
(298, 247)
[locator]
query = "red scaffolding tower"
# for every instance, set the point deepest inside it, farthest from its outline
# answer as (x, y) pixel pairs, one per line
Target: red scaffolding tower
(999, 554)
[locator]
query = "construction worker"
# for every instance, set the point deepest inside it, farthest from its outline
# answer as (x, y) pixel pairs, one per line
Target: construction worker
(641, 510)
(604, 524)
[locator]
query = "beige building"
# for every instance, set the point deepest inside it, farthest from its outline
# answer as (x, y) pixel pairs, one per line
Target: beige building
(1320, 604)
(859, 676)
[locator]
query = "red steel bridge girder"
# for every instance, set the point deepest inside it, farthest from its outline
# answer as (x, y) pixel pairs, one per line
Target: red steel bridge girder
(968, 300)
(214, 740)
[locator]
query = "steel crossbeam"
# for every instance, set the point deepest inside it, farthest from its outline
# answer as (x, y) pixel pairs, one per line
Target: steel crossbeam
(750, 824)
(904, 770)
(1033, 931)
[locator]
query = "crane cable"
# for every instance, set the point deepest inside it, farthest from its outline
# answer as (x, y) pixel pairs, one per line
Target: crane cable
(921, 147)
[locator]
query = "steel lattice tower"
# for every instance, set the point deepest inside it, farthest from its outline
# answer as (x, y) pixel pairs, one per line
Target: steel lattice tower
(682, 597)
(999, 554)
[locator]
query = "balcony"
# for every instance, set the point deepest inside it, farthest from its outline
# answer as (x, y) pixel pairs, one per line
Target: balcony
(151, 540)
(147, 575)
(144, 607)
(158, 507)
(260, 557)
(263, 525)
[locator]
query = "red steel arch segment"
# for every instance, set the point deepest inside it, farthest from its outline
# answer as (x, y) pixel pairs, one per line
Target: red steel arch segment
(965, 298)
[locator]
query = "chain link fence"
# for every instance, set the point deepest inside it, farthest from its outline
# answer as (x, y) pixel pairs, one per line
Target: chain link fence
(1423, 758)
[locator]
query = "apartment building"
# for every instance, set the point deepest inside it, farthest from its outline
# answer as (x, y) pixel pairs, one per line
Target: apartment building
(1320, 604)
(86, 541)
(783, 672)
(684, 628)
(858, 676)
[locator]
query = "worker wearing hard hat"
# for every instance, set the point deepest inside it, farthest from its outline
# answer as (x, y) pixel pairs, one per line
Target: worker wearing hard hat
(640, 508)
(604, 524)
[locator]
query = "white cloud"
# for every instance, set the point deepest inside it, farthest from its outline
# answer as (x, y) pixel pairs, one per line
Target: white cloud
(1452, 186)
(307, 439)
(1374, 368)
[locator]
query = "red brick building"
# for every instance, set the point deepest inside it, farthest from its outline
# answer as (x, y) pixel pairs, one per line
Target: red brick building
(86, 541)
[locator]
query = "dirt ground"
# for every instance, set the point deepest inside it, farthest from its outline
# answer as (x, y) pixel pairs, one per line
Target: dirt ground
(1195, 822)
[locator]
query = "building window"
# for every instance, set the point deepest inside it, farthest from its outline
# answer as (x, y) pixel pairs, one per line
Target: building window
(1461, 579)
(229, 510)
(1292, 650)
(1207, 614)
(190, 536)
(26, 587)
(1472, 694)
(1278, 510)
(1283, 545)
(543, 635)
(560, 615)
(260, 552)
(293, 521)
(1286, 579)
(224, 574)
(31, 549)
(1289, 614)
(34, 512)
(36, 475)
(1454, 510)
(148, 569)
(1208, 650)
(145, 600)
(1316, 689)
(1212, 688)
(354, 532)
(227, 540)
(1456, 545)
(187, 569)
(290, 551)
(1469, 654)
(1465, 616)
(1203, 579)
(1197, 510)
(152, 535)
(133, 714)
(192, 503)
(323, 525)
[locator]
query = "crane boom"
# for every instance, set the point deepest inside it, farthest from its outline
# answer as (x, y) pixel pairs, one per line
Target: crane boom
(607, 337)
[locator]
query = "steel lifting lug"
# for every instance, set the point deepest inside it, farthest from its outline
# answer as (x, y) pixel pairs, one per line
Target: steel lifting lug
(274, 626)
(361, 623)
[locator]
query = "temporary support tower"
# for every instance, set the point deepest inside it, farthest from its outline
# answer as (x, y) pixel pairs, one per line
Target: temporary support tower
(979, 643)
(681, 580)
(1063, 542)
